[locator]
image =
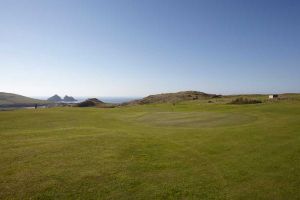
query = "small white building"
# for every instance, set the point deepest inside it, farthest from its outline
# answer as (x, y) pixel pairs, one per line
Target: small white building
(273, 96)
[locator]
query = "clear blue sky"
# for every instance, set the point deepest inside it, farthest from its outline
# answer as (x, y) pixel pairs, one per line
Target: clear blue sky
(141, 47)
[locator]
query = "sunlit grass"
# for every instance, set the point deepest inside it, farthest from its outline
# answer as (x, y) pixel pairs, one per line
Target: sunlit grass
(193, 150)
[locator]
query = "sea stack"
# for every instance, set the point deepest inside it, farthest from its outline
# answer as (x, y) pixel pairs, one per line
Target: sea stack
(55, 98)
(69, 99)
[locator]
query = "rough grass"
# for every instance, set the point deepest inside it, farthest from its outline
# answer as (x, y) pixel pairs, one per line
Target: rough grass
(242, 100)
(193, 150)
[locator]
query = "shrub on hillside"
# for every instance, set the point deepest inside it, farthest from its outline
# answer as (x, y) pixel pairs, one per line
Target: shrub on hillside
(87, 103)
(242, 100)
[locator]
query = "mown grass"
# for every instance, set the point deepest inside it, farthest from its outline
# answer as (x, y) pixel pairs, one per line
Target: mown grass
(193, 150)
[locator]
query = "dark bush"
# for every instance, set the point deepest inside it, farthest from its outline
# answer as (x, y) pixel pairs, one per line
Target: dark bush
(242, 100)
(87, 103)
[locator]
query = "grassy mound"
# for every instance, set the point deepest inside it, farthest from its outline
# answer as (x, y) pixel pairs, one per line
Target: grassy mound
(90, 103)
(95, 103)
(174, 97)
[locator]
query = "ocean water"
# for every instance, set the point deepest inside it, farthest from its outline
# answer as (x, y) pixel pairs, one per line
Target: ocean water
(104, 99)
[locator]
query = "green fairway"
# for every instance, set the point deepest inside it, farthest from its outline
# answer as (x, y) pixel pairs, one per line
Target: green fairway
(193, 150)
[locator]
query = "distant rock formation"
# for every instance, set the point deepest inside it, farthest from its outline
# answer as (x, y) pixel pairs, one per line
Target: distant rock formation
(55, 98)
(69, 99)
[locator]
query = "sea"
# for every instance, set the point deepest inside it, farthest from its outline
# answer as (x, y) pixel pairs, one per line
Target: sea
(116, 100)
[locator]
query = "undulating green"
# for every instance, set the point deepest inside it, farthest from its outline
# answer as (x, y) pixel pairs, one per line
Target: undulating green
(190, 150)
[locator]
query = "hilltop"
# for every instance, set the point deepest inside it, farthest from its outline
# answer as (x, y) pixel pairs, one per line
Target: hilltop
(15, 100)
(90, 103)
(93, 102)
(174, 97)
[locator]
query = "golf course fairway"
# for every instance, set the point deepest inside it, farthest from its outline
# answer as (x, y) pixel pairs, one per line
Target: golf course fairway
(191, 150)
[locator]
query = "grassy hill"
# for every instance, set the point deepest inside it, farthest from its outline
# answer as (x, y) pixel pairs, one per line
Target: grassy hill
(94, 103)
(193, 150)
(174, 97)
(14, 100)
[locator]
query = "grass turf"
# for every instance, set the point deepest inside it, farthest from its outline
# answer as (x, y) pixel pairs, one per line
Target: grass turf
(193, 150)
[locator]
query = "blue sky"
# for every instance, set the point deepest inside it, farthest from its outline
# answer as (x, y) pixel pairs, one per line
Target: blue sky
(139, 47)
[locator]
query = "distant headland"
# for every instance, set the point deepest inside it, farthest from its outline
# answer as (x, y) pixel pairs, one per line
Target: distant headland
(56, 98)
